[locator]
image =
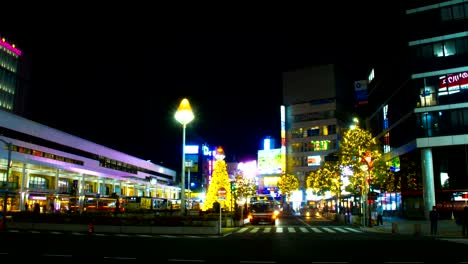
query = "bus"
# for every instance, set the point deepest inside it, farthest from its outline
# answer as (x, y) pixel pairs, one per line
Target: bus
(263, 208)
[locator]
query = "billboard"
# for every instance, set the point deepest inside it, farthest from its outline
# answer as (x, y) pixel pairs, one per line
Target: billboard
(360, 92)
(269, 161)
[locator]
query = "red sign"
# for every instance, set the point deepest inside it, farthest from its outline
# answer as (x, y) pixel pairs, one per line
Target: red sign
(222, 193)
(453, 79)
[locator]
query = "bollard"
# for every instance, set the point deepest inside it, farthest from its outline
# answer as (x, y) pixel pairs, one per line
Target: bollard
(394, 228)
(417, 229)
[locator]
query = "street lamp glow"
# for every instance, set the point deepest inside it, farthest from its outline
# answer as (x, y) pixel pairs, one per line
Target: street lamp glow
(184, 115)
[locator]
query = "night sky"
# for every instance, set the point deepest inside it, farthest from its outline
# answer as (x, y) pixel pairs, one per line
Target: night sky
(120, 86)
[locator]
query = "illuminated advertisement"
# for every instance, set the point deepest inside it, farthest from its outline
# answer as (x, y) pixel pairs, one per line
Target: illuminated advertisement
(249, 169)
(271, 181)
(314, 160)
(454, 82)
(191, 149)
(394, 164)
(360, 91)
(191, 159)
(269, 161)
(283, 138)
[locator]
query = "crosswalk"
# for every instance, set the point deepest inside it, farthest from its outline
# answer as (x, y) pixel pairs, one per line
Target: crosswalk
(302, 229)
(241, 230)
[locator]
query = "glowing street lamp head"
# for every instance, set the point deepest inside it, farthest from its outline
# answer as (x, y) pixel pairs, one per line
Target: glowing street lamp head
(184, 113)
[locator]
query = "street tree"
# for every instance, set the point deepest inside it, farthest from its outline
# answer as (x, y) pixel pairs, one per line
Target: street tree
(287, 184)
(244, 187)
(359, 152)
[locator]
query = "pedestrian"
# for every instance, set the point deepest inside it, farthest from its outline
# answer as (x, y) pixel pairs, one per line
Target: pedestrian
(465, 222)
(434, 218)
(380, 215)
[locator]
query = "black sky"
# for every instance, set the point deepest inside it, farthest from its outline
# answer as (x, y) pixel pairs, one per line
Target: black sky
(120, 86)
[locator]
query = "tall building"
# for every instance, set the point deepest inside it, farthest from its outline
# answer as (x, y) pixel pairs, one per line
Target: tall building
(418, 98)
(14, 77)
(317, 106)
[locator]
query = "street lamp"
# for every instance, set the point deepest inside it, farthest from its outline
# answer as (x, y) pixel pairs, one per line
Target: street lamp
(5, 198)
(184, 115)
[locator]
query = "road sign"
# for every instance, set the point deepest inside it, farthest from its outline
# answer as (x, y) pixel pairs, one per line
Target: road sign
(222, 194)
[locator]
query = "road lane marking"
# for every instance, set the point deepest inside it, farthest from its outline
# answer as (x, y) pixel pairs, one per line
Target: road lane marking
(55, 233)
(77, 234)
(169, 236)
(54, 255)
(279, 230)
(316, 230)
(242, 230)
(291, 230)
(256, 261)
(119, 258)
(143, 235)
(255, 230)
(186, 260)
(329, 262)
(353, 230)
(303, 229)
(329, 230)
(267, 230)
(341, 229)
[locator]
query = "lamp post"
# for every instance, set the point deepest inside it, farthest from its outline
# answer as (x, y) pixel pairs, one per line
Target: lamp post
(184, 115)
(367, 158)
(5, 197)
(189, 165)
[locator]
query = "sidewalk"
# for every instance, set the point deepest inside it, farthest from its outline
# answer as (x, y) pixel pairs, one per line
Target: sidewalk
(446, 229)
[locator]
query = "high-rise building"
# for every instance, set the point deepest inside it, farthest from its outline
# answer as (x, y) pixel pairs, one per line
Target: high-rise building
(418, 98)
(14, 77)
(317, 106)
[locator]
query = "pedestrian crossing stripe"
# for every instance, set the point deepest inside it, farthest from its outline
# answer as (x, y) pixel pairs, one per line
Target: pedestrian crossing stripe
(300, 229)
(341, 230)
(254, 230)
(353, 230)
(242, 230)
(329, 230)
(316, 230)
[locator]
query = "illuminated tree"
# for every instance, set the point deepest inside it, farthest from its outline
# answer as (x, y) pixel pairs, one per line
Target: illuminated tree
(287, 184)
(219, 178)
(244, 187)
(325, 179)
(357, 148)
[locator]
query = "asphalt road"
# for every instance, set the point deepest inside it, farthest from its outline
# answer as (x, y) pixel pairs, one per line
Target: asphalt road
(291, 240)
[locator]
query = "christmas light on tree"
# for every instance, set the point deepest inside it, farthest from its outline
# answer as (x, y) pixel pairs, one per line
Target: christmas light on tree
(219, 178)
